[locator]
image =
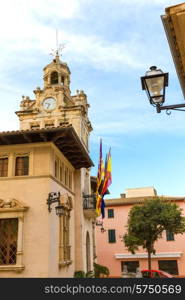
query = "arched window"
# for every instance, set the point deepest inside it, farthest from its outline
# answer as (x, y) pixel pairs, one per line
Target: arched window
(54, 77)
(62, 80)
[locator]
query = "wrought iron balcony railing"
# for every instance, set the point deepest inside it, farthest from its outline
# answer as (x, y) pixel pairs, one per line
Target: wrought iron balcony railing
(89, 205)
(89, 201)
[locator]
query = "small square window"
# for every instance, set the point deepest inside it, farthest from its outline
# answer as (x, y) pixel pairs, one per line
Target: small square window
(169, 266)
(110, 213)
(169, 236)
(131, 266)
(35, 126)
(49, 125)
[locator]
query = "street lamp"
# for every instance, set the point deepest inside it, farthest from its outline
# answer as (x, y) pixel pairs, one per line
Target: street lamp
(52, 198)
(154, 83)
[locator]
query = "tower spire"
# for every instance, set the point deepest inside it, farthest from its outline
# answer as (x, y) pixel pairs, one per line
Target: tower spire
(59, 48)
(57, 40)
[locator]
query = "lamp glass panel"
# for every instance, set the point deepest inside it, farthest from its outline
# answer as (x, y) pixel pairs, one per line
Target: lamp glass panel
(155, 85)
(156, 88)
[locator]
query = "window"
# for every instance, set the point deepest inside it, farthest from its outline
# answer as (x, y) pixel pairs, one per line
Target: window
(49, 125)
(70, 180)
(12, 214)
(35, 126)
(62, 80)
(131, 266)
(4, 167)
(66, 176)
(8, 241)
(112, 235)
(22, 165)
(169, 266)
(56, 169)
(110, 213)
(61, 171)
(54, 78)
(169, 236)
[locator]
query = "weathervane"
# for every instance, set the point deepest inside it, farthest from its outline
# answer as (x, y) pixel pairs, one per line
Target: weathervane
(59, 47)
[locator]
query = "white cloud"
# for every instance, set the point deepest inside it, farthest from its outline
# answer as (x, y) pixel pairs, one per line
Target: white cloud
(100, 53)
(29, 31)
(147, 3)
(29, 26)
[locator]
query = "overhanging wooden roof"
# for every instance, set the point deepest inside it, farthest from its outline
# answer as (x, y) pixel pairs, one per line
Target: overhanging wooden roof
(174, 25)
(65, 139)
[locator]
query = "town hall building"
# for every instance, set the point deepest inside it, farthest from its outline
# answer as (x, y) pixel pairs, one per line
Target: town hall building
(45, 228)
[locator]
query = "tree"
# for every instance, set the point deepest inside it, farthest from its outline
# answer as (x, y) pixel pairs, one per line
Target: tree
(100, 270)
(82, 274)
(146, 223)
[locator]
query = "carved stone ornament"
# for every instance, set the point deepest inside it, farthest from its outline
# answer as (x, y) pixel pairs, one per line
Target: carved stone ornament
(66, 200)
(12, 203)
(26, 103)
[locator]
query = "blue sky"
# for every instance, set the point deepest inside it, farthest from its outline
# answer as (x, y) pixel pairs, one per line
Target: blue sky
(109, 46)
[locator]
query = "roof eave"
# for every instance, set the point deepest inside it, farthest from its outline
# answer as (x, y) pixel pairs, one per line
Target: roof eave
(65, 139)
(174, 48)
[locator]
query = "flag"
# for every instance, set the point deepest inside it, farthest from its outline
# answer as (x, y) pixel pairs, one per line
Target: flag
(100, 174)
(108, 173)
(102, 207)
(100, 177)
(107, 181)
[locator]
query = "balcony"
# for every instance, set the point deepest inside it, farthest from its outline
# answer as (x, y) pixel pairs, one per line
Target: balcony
(89, 206)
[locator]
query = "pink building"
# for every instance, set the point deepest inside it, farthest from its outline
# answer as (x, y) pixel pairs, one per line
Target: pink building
(110, 249)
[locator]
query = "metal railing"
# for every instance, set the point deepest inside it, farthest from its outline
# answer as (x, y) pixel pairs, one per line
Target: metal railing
(89, 201)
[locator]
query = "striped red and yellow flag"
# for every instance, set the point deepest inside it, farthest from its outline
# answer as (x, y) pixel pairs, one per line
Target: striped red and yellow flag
(100, 177)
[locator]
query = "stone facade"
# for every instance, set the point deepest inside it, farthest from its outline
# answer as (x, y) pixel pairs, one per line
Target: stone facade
(48, 155)
(54, 105)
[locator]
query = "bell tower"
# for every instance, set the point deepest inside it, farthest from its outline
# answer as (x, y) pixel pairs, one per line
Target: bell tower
(54, 105)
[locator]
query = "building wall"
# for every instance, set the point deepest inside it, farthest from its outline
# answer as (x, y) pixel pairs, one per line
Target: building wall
(106, 251)
(41, 228)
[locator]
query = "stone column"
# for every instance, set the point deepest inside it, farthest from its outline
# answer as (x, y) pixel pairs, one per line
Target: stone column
(11, 165)
(78, 214)
(20, 242)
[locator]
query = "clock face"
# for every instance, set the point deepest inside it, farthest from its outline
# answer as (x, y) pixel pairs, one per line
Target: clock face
(49, 103)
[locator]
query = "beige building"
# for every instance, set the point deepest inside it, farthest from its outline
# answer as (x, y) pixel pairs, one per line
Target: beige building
(44, 165)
